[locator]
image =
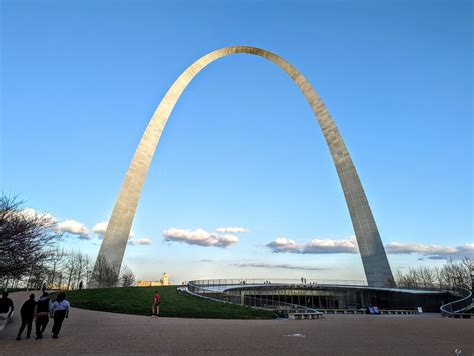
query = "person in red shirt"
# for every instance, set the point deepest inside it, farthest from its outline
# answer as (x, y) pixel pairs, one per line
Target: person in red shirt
(156, 304)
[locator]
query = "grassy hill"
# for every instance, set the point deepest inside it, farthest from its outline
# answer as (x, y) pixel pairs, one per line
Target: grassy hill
(138, 300)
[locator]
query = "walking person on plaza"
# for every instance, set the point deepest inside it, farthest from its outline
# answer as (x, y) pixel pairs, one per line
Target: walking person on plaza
(27, 312)
(6, 305)
(156, 305)
(43, 308)
(59, 311)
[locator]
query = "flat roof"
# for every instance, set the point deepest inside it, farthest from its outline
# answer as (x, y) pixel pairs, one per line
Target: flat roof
(223, 287)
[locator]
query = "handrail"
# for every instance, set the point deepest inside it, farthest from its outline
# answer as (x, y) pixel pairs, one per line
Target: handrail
(454, 308)
(307, 283)
(259, 303)
(234, 281)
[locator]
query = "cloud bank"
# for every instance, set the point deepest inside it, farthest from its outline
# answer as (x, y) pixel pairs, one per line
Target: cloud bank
(79, 230)
(70, 227)
(74, 228)
(29, 213)
(315, 246)
(433, 252)
(328, 246)
(200, 237)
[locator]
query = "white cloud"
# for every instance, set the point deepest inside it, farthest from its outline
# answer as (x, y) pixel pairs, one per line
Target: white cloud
(200, 237)
(232, 230)
(30, 213)
(400, 248)
(47, 218)
(331, 246)
(143, 241)
(316, 246)
(100, 228)
(71, 227)
(74, 228)
(328, 246)
(434, 252)
(282, 244)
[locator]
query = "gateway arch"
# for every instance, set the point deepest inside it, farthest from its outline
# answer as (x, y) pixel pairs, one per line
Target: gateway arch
(374, 258)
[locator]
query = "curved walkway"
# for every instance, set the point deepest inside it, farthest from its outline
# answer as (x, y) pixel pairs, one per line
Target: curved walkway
(90, 332)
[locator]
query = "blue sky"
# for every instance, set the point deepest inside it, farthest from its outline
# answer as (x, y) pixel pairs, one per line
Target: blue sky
(80, 81)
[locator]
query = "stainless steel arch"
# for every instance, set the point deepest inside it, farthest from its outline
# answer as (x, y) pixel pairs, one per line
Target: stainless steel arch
(374, 258)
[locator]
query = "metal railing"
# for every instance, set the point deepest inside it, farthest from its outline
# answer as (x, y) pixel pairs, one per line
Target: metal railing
(306, 282)
(273, 281)
(455, 308)
(203, 288)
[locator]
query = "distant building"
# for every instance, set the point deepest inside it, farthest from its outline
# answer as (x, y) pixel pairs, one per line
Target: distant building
(164, 281)
(62, 286)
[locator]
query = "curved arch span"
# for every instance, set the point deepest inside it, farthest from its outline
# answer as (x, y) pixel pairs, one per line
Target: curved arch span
(374, 258)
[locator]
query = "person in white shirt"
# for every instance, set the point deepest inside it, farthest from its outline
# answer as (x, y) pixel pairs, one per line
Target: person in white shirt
(59, 311)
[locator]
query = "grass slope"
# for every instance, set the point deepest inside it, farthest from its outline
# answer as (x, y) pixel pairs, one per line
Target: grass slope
(138, 300)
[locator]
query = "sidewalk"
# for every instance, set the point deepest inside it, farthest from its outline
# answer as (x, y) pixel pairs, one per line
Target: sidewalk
(90, 332)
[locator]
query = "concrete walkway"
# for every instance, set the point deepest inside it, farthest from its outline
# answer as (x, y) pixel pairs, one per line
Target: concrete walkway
(89, 332)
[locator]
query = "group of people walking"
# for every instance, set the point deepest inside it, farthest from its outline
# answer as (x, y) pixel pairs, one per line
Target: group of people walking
(43, 309)
(40, 311)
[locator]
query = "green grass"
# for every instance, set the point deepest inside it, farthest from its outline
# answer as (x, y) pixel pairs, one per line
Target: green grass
(138, 300)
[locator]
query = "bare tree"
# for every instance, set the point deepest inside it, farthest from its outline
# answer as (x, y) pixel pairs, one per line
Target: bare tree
(468, 265)
(105, 275)
(452, 274)
(438, 274)
(56, 256)
(425, 277)
(82, 263)
(70, 267)
(24, 238)
(38, 276)
(127, 277)
(60, 280)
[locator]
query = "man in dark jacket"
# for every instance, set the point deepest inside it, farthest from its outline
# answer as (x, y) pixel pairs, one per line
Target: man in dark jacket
(6, 305)
(27, 315)
(43, 308)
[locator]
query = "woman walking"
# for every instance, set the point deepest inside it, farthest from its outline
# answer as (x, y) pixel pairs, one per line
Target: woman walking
(27, 315)
(59, 311)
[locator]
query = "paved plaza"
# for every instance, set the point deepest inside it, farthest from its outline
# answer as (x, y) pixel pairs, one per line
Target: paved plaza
(90, 332)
